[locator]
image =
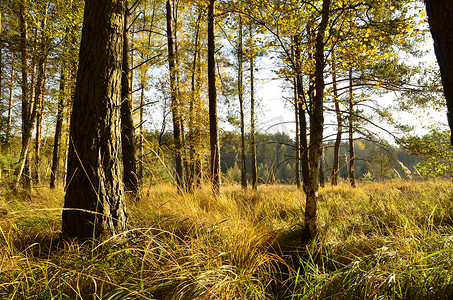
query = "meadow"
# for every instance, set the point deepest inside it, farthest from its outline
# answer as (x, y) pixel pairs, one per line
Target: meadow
(390, 240)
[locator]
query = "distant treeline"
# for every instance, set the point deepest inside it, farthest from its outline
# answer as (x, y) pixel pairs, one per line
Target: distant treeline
(276, 154)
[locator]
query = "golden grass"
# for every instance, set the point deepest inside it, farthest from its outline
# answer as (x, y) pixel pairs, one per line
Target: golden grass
(381, 240)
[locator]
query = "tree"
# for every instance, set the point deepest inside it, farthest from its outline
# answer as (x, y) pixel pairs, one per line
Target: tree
(240, 55)
(131, 182)
(440, 14)
(175, 107)
(213, 122)
(94, 192)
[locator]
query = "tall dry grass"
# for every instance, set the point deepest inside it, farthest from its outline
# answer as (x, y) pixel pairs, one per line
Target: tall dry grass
(378, 241)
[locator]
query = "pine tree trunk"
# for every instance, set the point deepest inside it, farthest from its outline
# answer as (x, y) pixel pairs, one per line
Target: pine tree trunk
(316, 130)
(302, 106)
(28, 116)
(241, 106)
(351, 133)
(141, 150)
(10, 101)
(40, 91)
(336, 150)
(174, 103)
(94, 204)
(130, 179)
(58, 130)
(252, 113)
(193, 100)
(213, 122)
(440, 15)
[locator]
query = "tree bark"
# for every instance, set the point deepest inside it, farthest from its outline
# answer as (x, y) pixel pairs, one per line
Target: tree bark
(241, 105)
(58, 130)
(94, 204)
(190, 182)
(351, 133)
(141, 150)
(177, 134)
(28, 110)
(212, 92)
(10, 100)
(316, 129)
(39, 95)
(440, 15)
(130, 179)
(336, 150)
(252, 114)
(302, 106)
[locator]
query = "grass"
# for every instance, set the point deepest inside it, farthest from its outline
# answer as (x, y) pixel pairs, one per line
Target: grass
(378, 241)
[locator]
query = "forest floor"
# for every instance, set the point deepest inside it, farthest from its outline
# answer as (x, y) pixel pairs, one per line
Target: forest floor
(390, 240)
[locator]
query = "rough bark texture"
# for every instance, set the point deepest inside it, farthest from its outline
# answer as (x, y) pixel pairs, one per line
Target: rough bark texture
(440, 15)
(130, 178)
(94, 193)
(213, 123)
(177, 132)
(316, 130)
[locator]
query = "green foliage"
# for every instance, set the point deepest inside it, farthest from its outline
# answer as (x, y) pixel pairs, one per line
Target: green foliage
(436, 152)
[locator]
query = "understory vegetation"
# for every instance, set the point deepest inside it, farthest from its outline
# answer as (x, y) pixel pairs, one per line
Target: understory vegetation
(388, 240)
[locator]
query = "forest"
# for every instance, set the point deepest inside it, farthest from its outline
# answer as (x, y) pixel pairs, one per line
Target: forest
(226, 149)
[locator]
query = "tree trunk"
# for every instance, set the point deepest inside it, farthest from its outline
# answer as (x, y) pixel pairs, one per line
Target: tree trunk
(94, 204)
(316, 129)
(10, 101)
(252, 116)
(302, 107)
(193, 100)
(58, 130)
(440, 15)
(351, 133)
(252, 112)
(174, 103)
(213, 122)
(130, 179)
(336, 150)
(296, 115)
(28, 112)
(141, 150)
(241, 105)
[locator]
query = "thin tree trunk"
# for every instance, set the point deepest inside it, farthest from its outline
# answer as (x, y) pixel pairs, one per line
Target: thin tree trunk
(27, 116)
(141, 150)
(10, 100)
(336, 150)
(130, 179)
(316, 129)
(39, 95)
(296, 115)
(193, 99)
(174, 102)
(213, 122)
(302, 107)
(351, 133)
(94, 203)
(252, 114)
(58, 130)
(241, 106)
